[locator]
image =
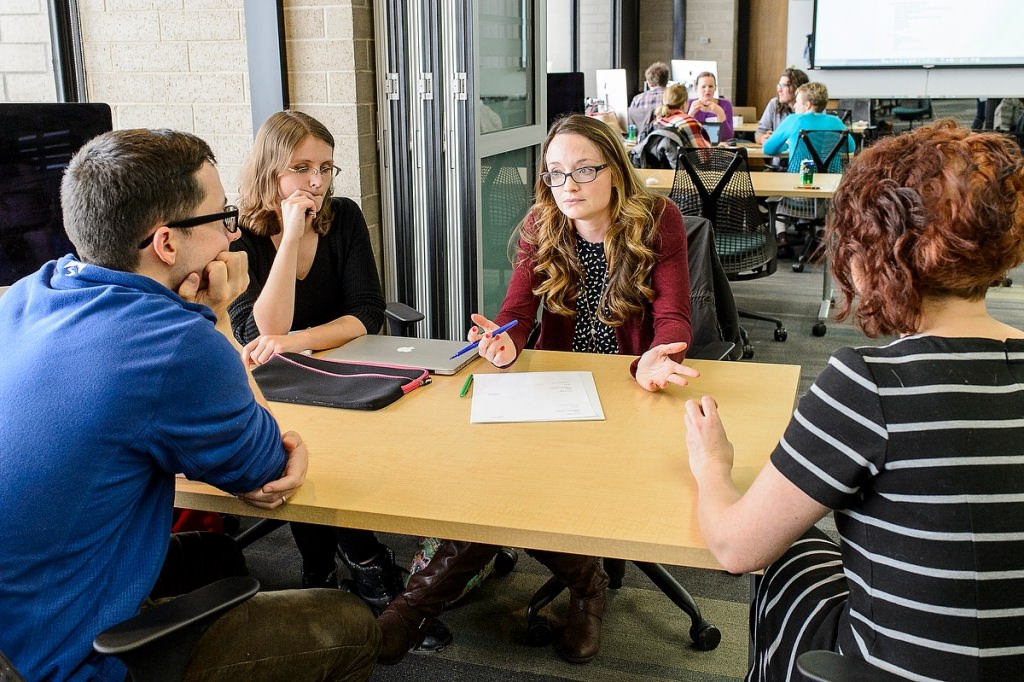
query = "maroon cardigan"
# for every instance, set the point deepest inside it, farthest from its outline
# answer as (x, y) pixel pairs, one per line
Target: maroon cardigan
(665, 320)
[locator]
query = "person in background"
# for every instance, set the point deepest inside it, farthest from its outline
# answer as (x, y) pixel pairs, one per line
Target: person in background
(313, 285)
(706, 106)
(606, 263)
(655, 78)
(780, 106)
(808, 114)
(671, 113)
(116, 379)
(916, 446)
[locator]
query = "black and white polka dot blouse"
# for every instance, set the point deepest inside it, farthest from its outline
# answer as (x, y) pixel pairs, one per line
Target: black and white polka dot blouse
(591, 335)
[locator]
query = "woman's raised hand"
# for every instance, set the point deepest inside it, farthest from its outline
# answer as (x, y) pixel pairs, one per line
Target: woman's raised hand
(656, 369)
(498, 350)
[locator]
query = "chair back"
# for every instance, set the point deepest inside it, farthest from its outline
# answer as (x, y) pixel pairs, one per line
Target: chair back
(715, 183)
(829, 149)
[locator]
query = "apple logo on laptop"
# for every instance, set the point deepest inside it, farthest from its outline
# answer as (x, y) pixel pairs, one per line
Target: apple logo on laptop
(406, 349)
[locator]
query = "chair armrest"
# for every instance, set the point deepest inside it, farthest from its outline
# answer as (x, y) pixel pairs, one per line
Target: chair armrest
(401, 318)
(828, 666)
(158, 643)
(716, 350)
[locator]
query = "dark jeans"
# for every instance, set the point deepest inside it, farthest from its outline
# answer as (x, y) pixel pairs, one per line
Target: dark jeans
(285, 635)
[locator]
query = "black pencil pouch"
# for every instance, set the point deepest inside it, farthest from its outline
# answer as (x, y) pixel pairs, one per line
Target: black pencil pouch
(305, 380)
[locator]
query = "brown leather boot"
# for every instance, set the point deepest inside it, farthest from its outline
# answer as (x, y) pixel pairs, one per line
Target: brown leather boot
(587, 582)
(405, 621)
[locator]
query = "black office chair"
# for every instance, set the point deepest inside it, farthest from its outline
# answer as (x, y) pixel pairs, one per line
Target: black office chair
(911, 110)
(715, 183)
(158, 644)
(828, 666)
(829, 150)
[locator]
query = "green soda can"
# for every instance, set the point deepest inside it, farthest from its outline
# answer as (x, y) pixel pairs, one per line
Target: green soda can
(807, 172)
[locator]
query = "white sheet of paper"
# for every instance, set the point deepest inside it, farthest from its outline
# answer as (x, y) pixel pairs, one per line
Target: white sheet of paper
(535, 397)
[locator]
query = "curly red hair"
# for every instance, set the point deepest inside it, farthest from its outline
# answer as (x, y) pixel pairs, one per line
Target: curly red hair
(937, 212)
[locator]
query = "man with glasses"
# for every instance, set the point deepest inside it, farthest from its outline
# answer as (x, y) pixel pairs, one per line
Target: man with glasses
(115, 379)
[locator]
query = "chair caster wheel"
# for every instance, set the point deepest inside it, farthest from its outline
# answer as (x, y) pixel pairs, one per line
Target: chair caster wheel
(1007, 282)
(748, 351)
(819, 329)
(781, 335)
(539, 632)
(705, 636)
(505, 560)
(798, 267)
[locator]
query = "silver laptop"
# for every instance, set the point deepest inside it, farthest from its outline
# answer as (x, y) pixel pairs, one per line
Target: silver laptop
(714, 130)
(430, 354)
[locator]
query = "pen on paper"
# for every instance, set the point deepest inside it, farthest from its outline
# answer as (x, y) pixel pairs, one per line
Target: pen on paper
(465, 386)
(500, 330)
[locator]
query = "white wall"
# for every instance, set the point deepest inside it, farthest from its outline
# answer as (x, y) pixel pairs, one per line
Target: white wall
(977, 82)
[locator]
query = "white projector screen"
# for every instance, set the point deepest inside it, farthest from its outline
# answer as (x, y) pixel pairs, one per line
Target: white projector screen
(909, 33)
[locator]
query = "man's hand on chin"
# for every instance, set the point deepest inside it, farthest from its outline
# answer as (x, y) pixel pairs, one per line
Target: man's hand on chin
(222, 281)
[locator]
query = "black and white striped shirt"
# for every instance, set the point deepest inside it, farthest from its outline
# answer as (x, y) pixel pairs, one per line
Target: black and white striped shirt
(919, 447)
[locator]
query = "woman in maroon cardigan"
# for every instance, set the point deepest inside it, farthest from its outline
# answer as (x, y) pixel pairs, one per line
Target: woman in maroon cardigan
(607, 263)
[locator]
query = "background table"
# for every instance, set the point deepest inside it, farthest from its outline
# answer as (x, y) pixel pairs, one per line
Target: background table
(765, 184)
(617, 488)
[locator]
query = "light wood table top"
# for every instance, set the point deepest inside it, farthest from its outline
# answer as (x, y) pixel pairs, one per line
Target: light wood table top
(765, 184)
(615, 488)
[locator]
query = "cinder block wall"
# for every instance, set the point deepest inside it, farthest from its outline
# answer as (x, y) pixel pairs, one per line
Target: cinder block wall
(26, 69)
(716, 20)
(182, 64)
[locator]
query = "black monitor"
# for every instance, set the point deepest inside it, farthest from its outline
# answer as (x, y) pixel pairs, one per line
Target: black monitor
(565, 95)
(36, 143)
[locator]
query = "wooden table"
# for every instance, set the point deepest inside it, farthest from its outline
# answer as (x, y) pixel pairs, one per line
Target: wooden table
(615, 488)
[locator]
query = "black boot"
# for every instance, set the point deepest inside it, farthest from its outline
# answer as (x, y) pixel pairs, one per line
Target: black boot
(376, 583)
(407, 620)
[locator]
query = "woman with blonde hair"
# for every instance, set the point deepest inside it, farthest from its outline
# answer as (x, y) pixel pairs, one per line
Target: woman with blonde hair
(671, 113)
(313, 284)
(606, 263)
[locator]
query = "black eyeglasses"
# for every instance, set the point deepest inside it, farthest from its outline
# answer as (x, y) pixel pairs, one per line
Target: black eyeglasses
(581, 175)
(229, 217)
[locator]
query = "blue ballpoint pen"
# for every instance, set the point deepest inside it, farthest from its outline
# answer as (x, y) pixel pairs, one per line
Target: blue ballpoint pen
(500, 330)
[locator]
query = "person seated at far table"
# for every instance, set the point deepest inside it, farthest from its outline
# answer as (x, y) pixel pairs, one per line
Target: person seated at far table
(809, 106)
(780, 106)
(655, 78)
(606, 262)
(115, 378)
(654, 150)
(706, 106)
(916, 446)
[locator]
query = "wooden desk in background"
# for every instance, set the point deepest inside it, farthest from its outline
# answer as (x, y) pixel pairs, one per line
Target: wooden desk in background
(770, 185)
(765, 184)
(615, 488)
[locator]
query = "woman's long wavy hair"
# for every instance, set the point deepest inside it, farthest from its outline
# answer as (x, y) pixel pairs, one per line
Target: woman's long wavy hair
(630, 245)
(937, 212)
(259, 197)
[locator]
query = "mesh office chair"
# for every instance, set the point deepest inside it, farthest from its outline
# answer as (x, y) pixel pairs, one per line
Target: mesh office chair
(911, 110)
(829, 150)
(715, 183)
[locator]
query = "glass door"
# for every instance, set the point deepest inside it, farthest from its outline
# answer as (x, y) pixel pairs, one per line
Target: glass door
(459, 123)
